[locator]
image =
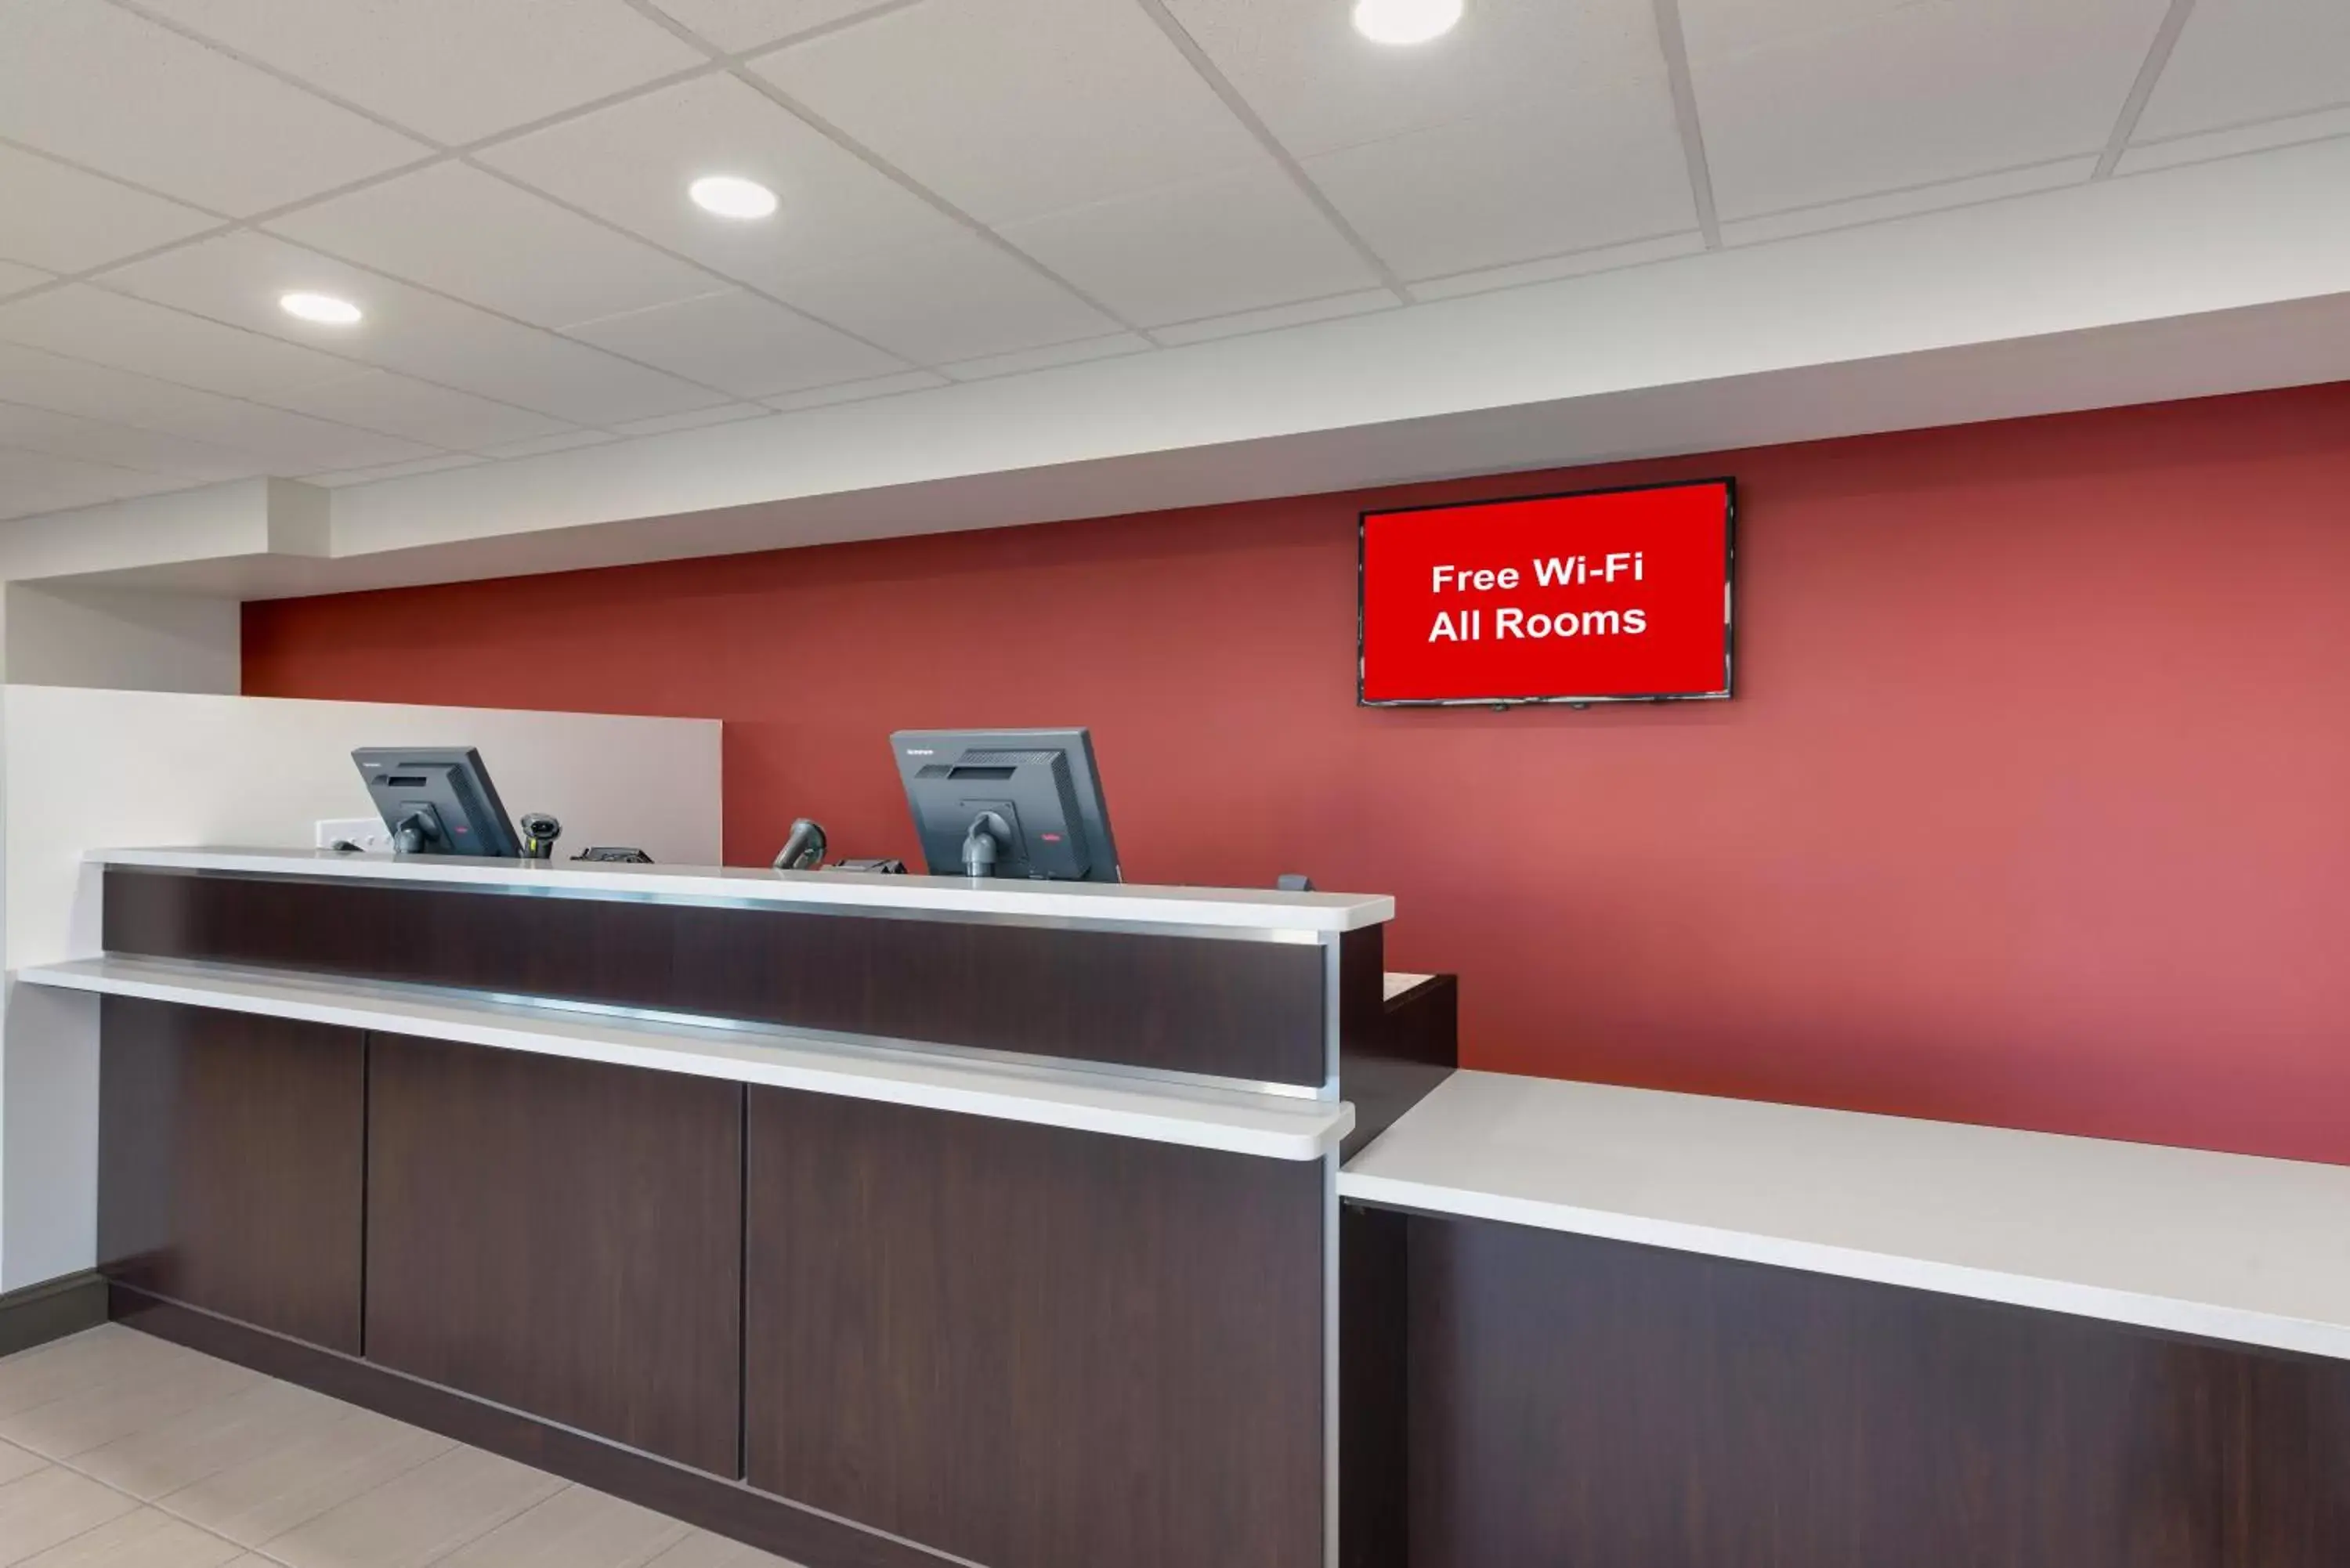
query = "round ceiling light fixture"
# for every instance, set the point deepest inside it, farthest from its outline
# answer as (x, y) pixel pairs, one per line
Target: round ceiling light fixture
(732, 196)
(323, 308)
(1404, 21)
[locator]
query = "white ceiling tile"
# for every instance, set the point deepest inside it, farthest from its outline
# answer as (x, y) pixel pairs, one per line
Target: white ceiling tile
(551, 444)
(736, 25)
(48, 380)
(288, 444)
(450, 69)
(67, 221)
(630, 164)
(550, 375)
(2203, 146)
(485, 240)
(1528, 181)
(1549, 269)
(957, 300)
(119, 446)
(117, 93)
(723, 414)
(106, 328)
(278, 441)
(1907, 203)
(1822, 100)
(1240, 240)
(238, 277)
(848, 245)
(32, 483)
(1319, 86)
(740, 343)
(338, 479)
(1011, 109)
(401, 405)
(1362, 302)
(1115, 346)
(2244, 60)
(1534, 128)
(859, 391)
(14, 279)
(1716, 28)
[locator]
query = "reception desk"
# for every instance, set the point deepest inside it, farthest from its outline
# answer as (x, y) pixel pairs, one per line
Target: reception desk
(873, 1220)
(896, 1221)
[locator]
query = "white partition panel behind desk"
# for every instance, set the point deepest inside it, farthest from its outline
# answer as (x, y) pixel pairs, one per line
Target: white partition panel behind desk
(83, 769)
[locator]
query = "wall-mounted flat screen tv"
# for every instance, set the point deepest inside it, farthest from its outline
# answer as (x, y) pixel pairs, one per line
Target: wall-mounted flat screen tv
(1608, 596)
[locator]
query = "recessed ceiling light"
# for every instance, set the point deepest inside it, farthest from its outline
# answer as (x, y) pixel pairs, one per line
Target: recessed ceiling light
(323, 308)
(732, 196)
(1404, 21)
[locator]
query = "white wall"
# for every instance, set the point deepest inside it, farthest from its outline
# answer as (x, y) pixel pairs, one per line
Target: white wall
(116, 637)
(243, 518)
(83, 769)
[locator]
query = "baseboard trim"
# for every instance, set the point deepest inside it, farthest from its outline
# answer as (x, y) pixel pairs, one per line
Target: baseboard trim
(53, 1309)
(722, 1507)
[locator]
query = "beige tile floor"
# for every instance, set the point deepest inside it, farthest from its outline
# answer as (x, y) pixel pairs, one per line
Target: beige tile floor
(118, 1450)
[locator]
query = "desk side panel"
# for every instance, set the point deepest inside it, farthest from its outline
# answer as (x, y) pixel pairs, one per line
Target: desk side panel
(1029, 1346)
(1391, 1053)
(230, 1149)
(1214, 1006)
(561, 1237)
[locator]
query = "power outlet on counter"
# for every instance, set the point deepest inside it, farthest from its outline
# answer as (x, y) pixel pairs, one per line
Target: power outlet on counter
(368, 832)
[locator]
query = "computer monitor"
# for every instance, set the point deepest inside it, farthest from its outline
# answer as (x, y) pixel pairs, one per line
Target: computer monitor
(1007, 803)
(437, 801)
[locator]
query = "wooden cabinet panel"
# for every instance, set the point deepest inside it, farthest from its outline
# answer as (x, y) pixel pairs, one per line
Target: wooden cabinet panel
(1241, 1009)
(1032, 1347)
(1575, 1401)
(561, 1237)
(229, 1164)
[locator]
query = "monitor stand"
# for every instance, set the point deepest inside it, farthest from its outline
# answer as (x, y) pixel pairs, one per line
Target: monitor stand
(981, 845)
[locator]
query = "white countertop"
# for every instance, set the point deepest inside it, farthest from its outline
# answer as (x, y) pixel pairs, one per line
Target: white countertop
(1275, 1127)
(2229, 1247)
(1303, 915)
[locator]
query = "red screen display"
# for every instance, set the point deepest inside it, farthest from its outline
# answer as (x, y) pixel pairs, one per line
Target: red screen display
(1613, 595)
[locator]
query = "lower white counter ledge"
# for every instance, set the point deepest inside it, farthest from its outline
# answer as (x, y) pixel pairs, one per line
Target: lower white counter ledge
(1274, 1127)
(2222, 1246)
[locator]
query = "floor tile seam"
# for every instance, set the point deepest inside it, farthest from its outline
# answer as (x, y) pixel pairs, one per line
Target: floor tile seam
(77, 1535)
(164, 1503)
(498, 1524)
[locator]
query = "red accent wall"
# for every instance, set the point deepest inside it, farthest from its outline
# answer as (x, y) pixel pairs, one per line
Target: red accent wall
(2033, 806)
